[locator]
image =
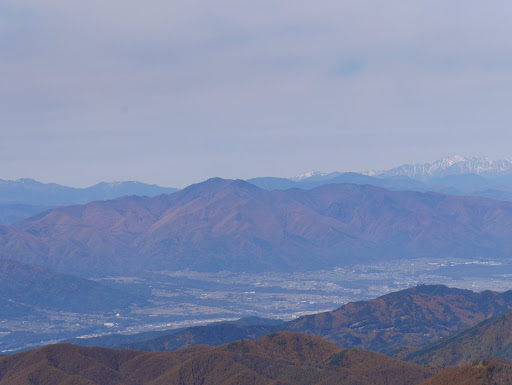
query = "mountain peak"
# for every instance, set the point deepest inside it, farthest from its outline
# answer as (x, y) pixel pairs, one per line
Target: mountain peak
(451, 165)
(217, 183)
(27, 181)
(451, 160)
(307, 175)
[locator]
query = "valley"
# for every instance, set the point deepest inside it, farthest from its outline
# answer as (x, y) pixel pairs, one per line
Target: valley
(177, 299)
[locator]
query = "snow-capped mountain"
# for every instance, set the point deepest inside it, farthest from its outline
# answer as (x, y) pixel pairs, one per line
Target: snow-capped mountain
(455, 165)
(307, 175)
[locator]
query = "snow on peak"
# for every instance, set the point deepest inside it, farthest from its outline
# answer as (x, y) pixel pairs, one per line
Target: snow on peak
(453, 165)
(451, 160)
(26, 181)
(306, 175)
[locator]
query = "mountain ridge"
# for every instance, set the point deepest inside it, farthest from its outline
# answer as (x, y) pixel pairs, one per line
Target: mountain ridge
(35, 287)
(404, 317)
(490, 338)
(453, 165)
(23, 198)
(231, 224)
(30, 191)
(278, 358)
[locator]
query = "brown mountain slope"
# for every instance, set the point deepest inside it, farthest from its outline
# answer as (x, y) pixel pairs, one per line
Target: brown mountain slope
(413, 317)
(492, 337)
(489, 372)
(223, 224)
(279, 358)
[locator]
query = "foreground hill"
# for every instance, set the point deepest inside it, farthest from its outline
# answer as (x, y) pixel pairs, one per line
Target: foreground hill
(24, 287)
(490, 338)
(413, 317)
(279, 358)
(233, 225)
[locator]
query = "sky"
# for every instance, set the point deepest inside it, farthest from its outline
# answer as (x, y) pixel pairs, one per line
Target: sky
(175, 92)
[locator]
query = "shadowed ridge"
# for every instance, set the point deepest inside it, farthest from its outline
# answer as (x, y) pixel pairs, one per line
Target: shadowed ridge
(492, 337)
(36, 286)
(213, 335)
(494, 371)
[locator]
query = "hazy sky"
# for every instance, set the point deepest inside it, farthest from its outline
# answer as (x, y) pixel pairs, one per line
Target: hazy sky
(173, 92)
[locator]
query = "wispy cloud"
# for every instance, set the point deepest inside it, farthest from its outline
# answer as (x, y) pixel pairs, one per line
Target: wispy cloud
(147, 86)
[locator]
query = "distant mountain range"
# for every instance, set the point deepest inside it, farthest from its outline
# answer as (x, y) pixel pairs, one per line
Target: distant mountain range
(225, 224)
(455, 165)
(455, 175)
(22, 198)
(269, 183)
(29, 191)
(447, 166)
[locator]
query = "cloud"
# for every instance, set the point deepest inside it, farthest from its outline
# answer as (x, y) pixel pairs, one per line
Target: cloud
(325, 85)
